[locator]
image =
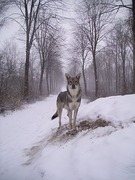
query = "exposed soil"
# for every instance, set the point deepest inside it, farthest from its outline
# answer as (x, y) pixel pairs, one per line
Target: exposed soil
(65, 134)
(84, 125)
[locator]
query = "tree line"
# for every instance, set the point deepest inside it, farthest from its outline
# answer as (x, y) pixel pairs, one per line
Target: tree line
(103, 49)
(37, 71)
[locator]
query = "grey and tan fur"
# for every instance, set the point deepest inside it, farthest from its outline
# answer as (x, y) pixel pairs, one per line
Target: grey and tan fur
(69, 100)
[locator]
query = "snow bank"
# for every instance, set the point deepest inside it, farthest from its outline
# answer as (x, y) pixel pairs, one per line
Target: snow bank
(28, 151)
(107, 157)
(114, 109)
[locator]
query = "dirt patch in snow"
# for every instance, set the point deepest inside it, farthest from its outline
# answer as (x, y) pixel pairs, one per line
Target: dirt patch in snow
(84, 125)
(63, 135)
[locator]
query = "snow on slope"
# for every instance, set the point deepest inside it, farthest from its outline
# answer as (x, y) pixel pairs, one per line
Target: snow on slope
(30, 147)
(114, 108)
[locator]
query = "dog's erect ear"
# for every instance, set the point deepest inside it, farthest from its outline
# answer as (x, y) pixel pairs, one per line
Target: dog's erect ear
(67, 76)
(78, 76)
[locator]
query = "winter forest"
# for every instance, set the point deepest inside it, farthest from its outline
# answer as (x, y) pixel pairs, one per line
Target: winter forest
(54, 37)
(88, 48)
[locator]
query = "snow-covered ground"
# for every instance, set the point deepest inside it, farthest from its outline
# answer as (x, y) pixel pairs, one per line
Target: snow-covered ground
(31, 148)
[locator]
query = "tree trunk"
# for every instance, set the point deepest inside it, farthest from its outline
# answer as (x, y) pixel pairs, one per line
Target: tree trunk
(116, 70)
(124, 78)
(47, 81)
(133, 29)
(41, 82)
(84, 80)
(41, 76)
(95, 75)
(26, 75)
(51, 82)
(123, 55)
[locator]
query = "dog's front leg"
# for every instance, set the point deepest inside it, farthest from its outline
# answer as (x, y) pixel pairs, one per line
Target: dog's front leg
(59, 114)
(70, 118)
(75, 116)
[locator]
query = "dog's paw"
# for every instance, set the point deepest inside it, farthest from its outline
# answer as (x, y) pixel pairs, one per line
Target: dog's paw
(72, 132)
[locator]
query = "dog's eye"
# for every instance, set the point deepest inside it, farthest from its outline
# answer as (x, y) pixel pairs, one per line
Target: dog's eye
(70, 82)
(76, 82)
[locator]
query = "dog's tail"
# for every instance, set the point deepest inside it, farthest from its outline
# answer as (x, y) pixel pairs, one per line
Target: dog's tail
(55, 115)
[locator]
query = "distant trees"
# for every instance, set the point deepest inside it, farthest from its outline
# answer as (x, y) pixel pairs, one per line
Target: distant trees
(131, 7)
(38, 72)
(11, 80)
(30, 11)
(122, 42)
(115, 63)
(108, 49)
(48, 43)
(80, 50)
(102, 49)
(94, 20)
(31, 14)
(4, 4)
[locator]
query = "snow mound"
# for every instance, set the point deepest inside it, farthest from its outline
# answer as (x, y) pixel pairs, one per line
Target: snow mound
(103, 148)
(115, 109)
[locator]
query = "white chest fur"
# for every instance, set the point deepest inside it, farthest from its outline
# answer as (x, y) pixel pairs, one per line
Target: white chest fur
(73, 92)
(74, 105)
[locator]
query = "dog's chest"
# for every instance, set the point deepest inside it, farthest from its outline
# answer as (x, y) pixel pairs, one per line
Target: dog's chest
(74, 105)
(73, 99)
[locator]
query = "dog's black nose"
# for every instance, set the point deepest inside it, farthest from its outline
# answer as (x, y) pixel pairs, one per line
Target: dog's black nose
(73, 86)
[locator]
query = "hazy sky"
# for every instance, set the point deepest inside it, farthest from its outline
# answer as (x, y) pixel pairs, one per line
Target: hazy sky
(11, 29)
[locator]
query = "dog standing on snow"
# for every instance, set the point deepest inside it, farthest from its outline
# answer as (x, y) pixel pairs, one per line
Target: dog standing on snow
(69, 100)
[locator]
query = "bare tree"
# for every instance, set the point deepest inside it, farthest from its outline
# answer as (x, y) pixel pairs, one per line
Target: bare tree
(48, 45)
(81, 52)
(30, 13)
(133, 29)
(123, 49)
(4, 4)
(53, 63)
(95, 20)
(114, 63)
(42, 43)
(131, 7)
(10, 76)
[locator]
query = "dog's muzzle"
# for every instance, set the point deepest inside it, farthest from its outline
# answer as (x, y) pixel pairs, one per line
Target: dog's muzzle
(73, 86)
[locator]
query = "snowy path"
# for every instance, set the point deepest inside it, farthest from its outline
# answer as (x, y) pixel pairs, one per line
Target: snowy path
(20, 130)
(30, 149)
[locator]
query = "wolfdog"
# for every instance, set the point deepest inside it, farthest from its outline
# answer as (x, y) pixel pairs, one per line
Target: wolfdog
(69, 100)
